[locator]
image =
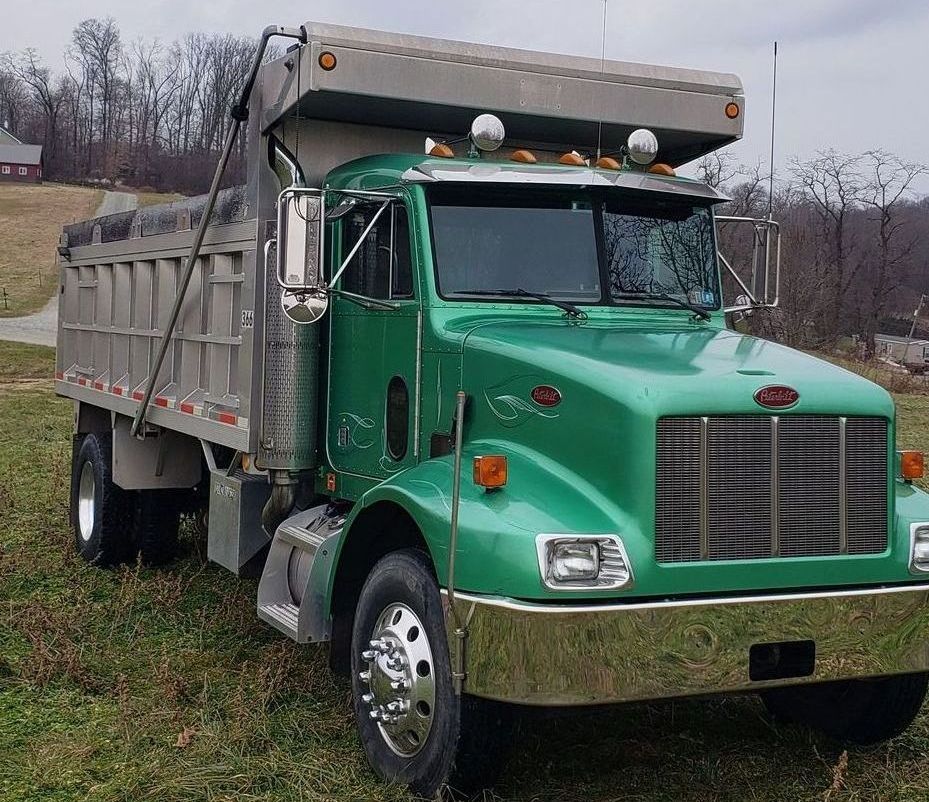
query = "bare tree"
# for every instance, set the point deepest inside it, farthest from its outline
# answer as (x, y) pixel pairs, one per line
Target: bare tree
(832, 184)
(886, 189)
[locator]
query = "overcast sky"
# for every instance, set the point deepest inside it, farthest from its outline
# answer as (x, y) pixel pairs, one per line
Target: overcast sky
(853, 73)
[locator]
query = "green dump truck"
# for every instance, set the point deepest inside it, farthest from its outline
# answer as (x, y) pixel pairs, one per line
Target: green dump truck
(452, 373)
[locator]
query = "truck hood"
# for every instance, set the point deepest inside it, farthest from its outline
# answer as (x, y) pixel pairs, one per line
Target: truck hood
(651, 370)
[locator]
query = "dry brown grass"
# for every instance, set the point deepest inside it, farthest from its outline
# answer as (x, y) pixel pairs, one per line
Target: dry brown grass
(31, 218)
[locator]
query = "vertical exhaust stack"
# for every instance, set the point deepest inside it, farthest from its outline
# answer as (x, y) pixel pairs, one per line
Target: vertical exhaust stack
(287, 443)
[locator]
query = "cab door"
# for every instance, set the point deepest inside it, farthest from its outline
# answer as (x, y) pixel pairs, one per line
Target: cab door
(373, 351)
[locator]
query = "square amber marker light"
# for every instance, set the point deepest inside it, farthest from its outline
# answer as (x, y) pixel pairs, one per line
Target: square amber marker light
(490, 472)
(912, 464)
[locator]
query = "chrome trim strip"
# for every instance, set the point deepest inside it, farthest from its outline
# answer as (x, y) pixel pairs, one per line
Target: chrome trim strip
(418, 392)
(775, 491)
(572, 609)
(704, 489)
(843, 489)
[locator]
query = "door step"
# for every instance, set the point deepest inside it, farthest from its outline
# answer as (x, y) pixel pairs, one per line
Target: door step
(283, 617)
(292, 591)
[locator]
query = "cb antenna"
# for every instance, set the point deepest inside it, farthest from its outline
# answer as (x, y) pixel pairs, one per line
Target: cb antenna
(773, 138)
(602, 71)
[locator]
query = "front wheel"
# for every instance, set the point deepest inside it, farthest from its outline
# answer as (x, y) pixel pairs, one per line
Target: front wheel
(861, 712)
(414, 728)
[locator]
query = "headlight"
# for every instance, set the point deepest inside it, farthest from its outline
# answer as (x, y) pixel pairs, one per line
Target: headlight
(919, 548)
(584, 562)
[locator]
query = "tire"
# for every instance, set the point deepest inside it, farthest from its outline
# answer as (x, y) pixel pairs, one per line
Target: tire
(858, 712)
(100, 510)
(451, 746)
(154, 528)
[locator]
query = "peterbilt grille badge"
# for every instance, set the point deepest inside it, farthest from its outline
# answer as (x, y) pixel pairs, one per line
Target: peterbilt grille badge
(777, 397)
(546, 396)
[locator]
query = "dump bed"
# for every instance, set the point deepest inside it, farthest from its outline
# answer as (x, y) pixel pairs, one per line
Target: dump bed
(118, 282)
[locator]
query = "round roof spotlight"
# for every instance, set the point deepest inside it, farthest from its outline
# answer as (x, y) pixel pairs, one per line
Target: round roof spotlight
(487, 132)
(642, 146)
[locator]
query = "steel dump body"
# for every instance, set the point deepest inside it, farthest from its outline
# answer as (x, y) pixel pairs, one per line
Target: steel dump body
(115, 299)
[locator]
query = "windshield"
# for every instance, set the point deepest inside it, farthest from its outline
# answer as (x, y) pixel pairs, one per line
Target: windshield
(570, 246)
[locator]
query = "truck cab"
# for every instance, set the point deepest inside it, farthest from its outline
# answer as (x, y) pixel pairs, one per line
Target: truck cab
(475, 411)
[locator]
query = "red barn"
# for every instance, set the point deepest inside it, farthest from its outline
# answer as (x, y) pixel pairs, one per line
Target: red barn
(19, 162)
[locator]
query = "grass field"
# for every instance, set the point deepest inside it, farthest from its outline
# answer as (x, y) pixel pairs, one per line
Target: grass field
(162, 685)
(31, 217)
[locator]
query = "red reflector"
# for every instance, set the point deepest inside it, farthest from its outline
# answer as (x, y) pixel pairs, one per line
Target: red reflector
(227, 417)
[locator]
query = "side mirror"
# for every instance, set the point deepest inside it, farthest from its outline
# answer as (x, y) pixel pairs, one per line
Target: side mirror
(761, 289)
(301, 232)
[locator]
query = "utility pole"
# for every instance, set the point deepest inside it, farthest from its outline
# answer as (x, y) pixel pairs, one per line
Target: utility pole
(922, 301)
(909, 340)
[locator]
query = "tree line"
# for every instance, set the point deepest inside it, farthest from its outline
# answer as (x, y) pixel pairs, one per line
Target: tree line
(149, 114)
(141, 113)
(855, 246)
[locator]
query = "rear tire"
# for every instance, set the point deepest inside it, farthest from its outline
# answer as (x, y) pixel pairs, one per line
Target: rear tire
(155, 523)
(439, 738)
(859, 712)
(100, 509)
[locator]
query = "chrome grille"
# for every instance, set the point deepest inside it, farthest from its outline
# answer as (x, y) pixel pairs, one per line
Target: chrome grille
(752, 487)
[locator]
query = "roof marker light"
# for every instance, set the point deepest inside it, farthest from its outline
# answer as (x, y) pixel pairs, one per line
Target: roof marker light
(609, 163)
(662, 169)
(573, 158)
(733, 110)
(327, 61)
(524, 156)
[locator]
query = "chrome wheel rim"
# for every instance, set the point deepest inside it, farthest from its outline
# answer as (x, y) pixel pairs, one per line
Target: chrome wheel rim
(85, 503)
(399, 676)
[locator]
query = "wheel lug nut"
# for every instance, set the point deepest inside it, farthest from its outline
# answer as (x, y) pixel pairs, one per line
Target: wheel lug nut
(395, 707)
(375, 714)
(399, 685)
(395, 663)
(364, 676)
(367, 698)
(369, 655)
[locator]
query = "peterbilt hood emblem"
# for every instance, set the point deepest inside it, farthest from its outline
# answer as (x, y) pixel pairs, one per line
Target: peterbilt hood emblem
(546, 396)
(777, 396)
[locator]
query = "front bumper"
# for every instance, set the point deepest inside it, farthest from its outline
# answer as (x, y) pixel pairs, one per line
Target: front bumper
(555, 655)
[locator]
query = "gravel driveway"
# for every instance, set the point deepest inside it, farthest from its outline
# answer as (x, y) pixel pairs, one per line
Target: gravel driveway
(41, 328)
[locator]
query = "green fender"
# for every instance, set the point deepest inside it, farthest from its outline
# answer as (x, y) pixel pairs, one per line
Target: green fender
(496, 551)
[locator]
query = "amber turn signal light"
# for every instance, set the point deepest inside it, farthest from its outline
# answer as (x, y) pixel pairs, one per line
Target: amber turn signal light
(733, 110)
(490, 472)
(327, 61)
(912, 465)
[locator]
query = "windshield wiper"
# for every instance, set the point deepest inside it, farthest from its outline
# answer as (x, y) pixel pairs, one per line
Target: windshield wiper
(564, 306)
(661, 296)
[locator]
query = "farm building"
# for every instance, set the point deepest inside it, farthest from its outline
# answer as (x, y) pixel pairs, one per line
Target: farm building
(19, 162)
(903, 350)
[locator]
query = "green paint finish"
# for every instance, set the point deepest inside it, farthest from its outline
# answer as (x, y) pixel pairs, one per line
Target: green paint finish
(584, 466)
